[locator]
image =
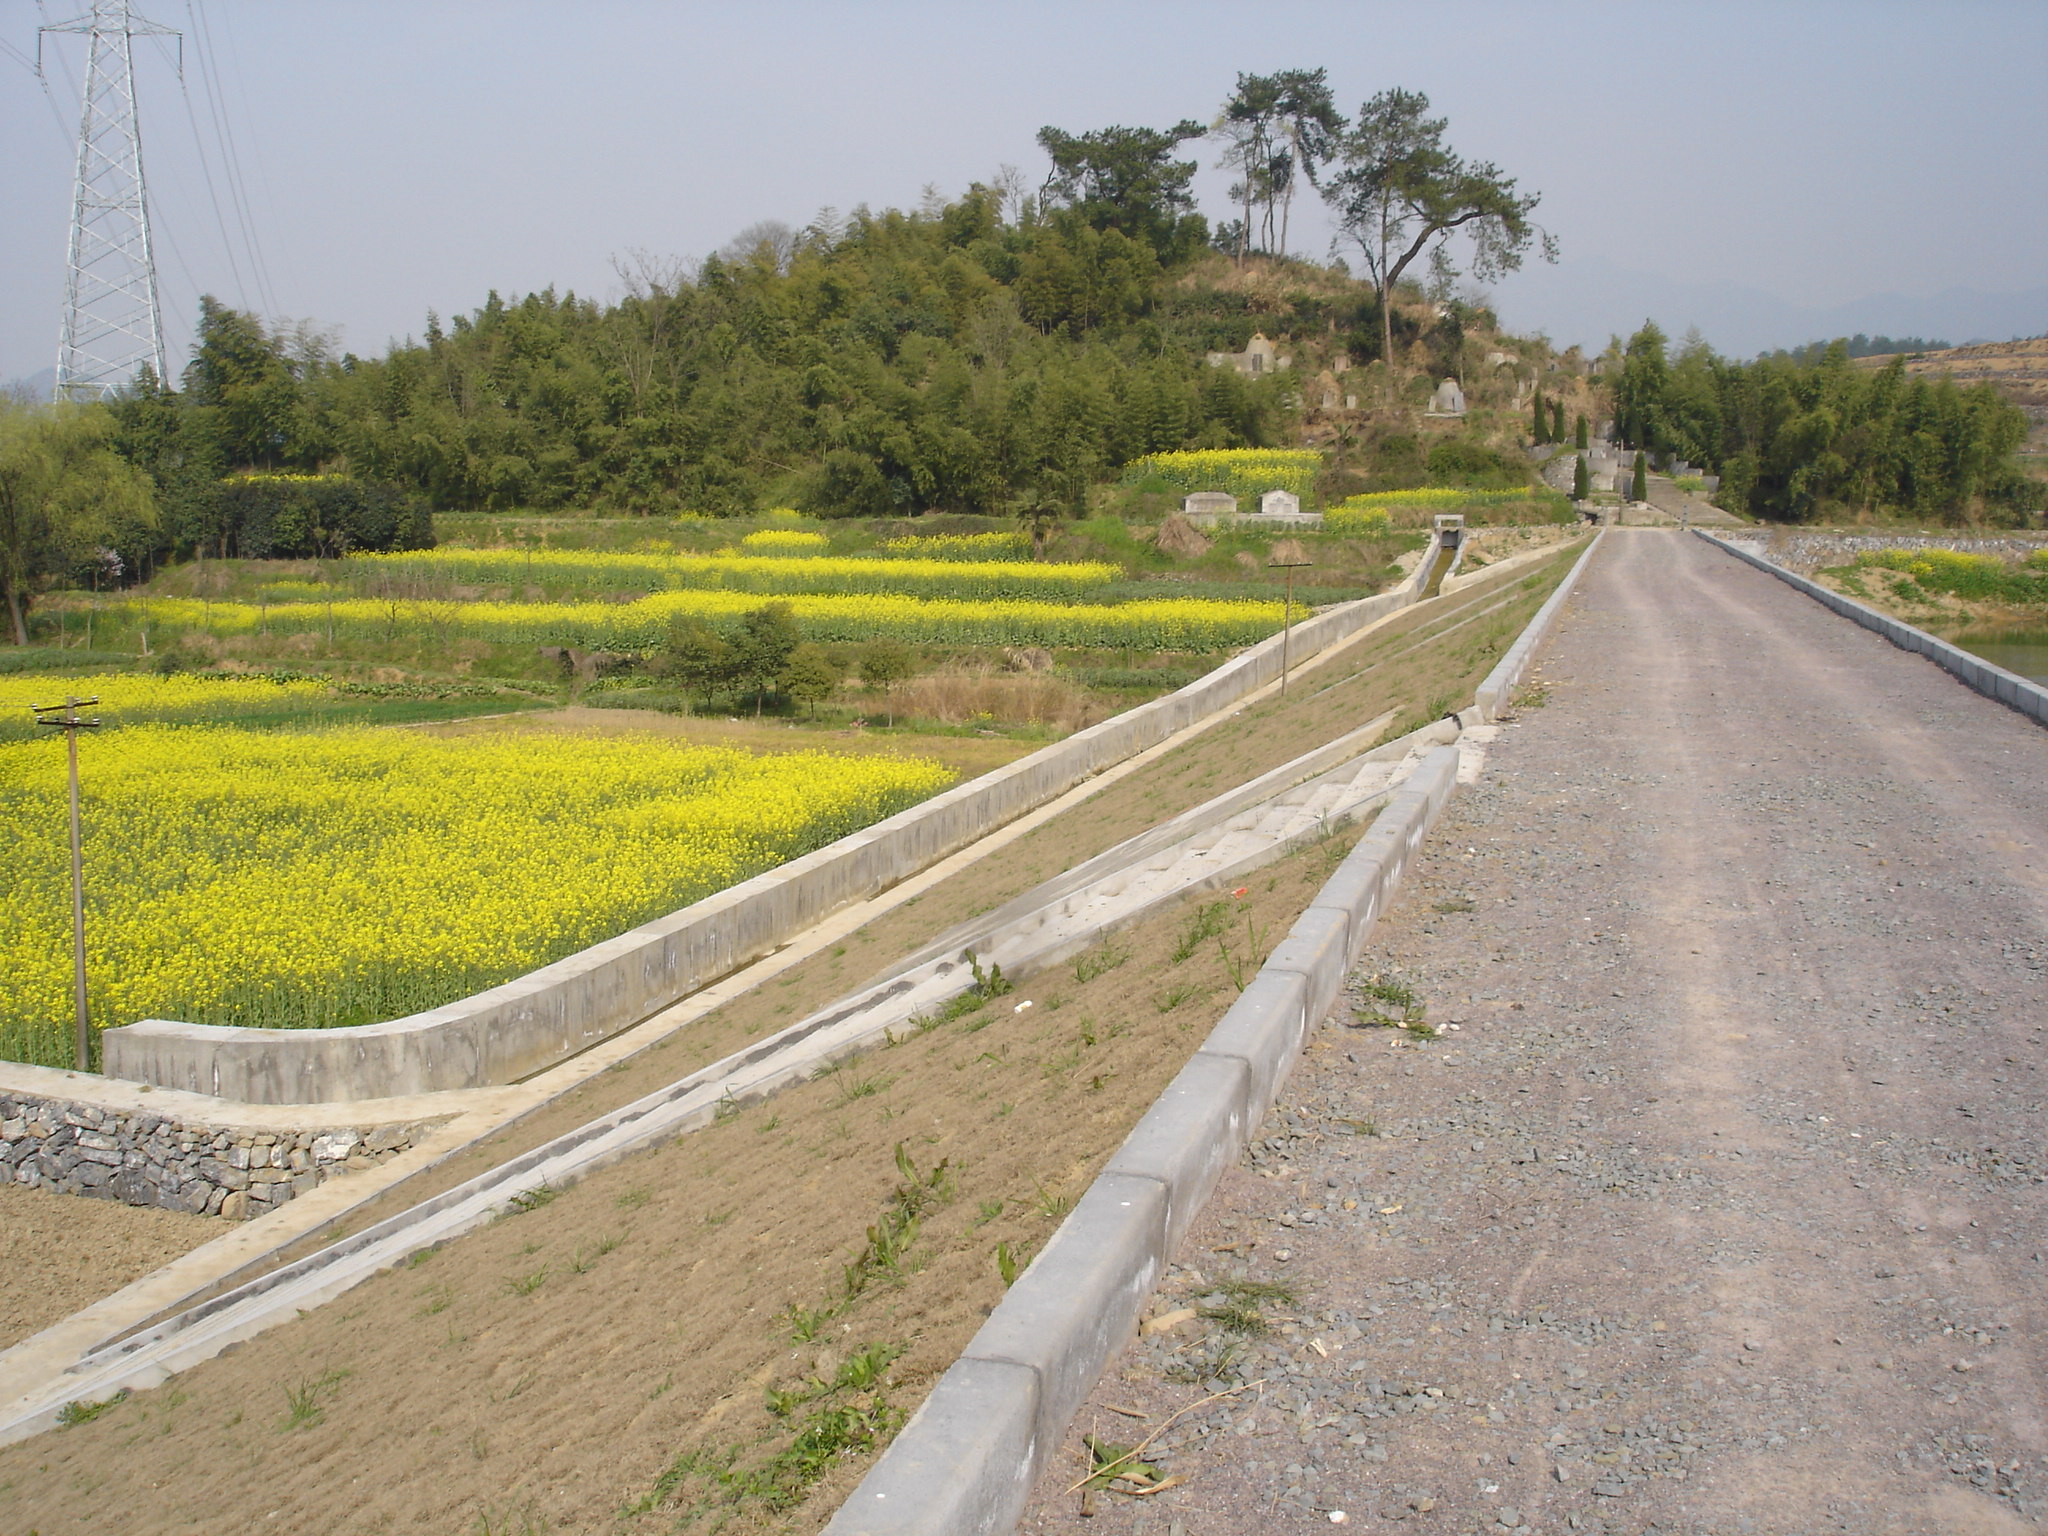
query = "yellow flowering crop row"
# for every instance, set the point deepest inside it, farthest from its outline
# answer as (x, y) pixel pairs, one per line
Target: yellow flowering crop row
(612, 570)
(1439, 498)
(1240, 471)
(785, 541)
(961, 546)
(1168, 624)
(1357, 520)
(128, 697)
(309, 880)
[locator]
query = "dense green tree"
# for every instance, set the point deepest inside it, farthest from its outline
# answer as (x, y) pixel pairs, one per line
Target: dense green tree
(762, 647)
(1639, 394)
(809, 676)
(1582, 482)
(1539, 428)
(1579, 436)
(67, 498)
(698, 657)
(1639, 485)
(1557, 421)
(1127, 180)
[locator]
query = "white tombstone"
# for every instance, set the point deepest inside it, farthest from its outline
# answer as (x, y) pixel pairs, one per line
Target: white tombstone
(1207, 506)
(1284, 503)
(1449, 400)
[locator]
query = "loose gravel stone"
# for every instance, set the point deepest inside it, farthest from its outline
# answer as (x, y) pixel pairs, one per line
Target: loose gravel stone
(1719, 1203)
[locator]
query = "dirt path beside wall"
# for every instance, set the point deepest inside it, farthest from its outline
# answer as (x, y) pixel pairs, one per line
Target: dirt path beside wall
(1724, 1208)
(64, 1252)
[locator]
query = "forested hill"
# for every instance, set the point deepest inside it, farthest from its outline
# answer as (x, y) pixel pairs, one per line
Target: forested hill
(948, 359)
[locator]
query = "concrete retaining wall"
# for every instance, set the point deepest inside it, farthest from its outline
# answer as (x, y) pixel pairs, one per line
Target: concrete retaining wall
(511, 1031)
(1994, 682)
(968, 1458)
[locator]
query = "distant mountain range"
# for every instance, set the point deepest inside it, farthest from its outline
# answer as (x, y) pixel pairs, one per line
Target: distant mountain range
(1587, 299)
(37, 386)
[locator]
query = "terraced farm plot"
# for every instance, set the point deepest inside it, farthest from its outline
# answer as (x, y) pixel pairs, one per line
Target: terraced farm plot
(307, 880)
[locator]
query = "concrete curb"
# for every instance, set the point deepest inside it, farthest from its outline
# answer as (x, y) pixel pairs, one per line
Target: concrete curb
(1994, 682)
(967, 1460)
(1500, 682)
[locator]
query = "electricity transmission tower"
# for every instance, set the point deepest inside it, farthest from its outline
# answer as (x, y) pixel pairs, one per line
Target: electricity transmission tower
(112, 321)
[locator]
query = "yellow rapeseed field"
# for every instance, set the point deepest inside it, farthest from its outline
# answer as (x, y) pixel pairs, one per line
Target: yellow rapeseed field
(306, 880)
(600, 570)
(1166, 624)
(126, 698)
(1240, 471)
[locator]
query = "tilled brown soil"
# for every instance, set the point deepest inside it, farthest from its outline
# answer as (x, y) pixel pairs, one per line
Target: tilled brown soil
(63, 1253)
(612, 1358)
(1427, 661)
(1724, 1206)
(552, 1371)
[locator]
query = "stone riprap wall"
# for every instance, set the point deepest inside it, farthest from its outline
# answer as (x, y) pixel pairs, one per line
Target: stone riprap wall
(524, 1026)
(1805, 552)
(143, 1159)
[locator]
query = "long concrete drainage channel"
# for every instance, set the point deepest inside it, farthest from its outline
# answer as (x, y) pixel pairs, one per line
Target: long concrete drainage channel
(966, 1462)
(1994, 682)
(193, 1307)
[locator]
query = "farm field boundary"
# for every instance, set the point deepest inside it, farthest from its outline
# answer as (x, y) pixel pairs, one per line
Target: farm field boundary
(968, 1458)
(793, 1055)
(510, 1031)
(477, 1122)
(1994, 682)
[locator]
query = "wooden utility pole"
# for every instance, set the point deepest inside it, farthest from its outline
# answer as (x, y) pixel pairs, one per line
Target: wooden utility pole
(65, 718)
(1287, 555)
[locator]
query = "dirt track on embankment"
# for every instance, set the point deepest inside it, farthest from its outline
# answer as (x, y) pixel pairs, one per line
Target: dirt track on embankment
(1726, 1207)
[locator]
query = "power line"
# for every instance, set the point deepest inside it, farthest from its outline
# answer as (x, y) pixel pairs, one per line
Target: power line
(231, 163)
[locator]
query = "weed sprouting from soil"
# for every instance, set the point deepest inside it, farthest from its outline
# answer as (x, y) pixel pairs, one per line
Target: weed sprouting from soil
(303, 1406)
(84, 1412)
(526, 1285)
(1392, 995)
(849, 1411)
(1011, 1261)
(1098, 961)
(1239, 1311)
(1049, 1204)
(1207, 922)
(633, 1199)
(531, 1199)
(1454, 904)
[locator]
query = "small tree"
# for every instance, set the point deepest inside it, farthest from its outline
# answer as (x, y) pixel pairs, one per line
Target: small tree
(1640, 490)
(65, 495)
(1541, 429)
(1557, 421)
(767, 638)
(1579, 433)
(884, 664)
(698, 656)
(1582, 483)
(810, 677)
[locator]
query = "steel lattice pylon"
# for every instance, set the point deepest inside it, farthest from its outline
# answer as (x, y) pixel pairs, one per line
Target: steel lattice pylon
(112, 321)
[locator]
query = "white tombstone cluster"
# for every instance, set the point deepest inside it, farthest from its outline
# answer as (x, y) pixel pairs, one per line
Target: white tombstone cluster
(1276, 507)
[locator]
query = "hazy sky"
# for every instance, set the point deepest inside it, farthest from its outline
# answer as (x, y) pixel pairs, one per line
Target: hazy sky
(1766, 171)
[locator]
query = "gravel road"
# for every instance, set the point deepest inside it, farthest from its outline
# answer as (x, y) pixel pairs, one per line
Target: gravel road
(1720, 1202)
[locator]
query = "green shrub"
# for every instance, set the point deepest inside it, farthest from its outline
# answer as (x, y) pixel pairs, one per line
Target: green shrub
(288, 517)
